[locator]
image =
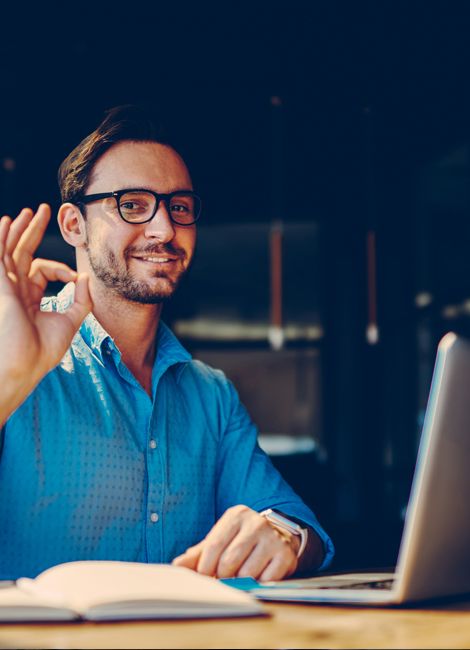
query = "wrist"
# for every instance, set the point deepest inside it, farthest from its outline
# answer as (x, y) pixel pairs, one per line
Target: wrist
(313, 555)
(14, 391)
(296, 543)
(294, 532)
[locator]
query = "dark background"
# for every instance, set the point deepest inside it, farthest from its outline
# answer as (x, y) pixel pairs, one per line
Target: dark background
(342, 118)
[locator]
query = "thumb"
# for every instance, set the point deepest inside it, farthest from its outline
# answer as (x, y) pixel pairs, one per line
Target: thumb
(82, 303)
(189, 558)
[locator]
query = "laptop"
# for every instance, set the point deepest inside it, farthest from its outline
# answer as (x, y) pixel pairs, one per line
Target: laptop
(434, 555)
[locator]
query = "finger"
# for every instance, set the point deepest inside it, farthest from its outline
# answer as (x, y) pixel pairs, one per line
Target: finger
(44, 271)
(18, 227)
(215, 543)
(279, 567)
(82, 303)
(235, 555)
(5, 223)
(189, 558)
(22, 255)
(257, 539)
(7, 264)
(30, 239)
(255, 563)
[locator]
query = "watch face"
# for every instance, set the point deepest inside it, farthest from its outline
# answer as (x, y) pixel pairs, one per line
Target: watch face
(283, 522)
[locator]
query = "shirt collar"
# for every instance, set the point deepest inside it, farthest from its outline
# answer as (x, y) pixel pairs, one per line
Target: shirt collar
(169, 349)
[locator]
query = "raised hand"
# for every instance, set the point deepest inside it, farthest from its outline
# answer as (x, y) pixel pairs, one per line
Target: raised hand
(32, 342)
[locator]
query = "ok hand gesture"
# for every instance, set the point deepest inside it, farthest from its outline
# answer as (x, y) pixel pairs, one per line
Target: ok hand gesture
(32, 342)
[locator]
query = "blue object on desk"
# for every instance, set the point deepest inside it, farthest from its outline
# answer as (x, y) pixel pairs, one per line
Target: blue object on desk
(245, 584)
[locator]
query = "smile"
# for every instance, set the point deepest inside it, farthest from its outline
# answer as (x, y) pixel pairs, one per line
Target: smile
(155, 260)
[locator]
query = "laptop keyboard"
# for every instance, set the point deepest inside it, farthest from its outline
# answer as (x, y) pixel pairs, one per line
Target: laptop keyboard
(377, 584)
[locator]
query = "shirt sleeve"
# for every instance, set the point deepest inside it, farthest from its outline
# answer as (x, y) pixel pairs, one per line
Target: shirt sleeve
(247, 476)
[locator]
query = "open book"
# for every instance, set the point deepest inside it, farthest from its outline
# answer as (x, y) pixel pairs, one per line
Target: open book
(108, 590)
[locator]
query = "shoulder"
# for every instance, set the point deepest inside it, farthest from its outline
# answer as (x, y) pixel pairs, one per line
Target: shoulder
(209, 385)
(204, 375)
(210, 394)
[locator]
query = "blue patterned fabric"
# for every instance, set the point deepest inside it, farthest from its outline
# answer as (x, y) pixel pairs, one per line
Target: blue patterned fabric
(93, 468)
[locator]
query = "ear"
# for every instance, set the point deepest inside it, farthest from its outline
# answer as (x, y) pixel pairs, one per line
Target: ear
(72, 225)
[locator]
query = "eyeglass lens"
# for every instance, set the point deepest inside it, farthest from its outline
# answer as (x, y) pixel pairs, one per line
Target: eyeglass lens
(139, 206)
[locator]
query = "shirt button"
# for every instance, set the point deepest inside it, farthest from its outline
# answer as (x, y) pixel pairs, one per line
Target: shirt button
(154, 517)
(153, 444)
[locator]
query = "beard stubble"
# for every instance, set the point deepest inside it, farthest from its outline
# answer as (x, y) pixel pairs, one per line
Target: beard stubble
(117, 277)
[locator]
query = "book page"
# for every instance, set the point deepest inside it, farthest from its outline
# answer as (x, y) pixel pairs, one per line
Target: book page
(15, 597)
(87, 584)
(19, 605)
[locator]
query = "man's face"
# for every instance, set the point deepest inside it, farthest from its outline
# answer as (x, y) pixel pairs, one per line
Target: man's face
(140, 262)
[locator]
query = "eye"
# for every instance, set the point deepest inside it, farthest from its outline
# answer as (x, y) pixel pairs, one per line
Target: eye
(130, 205)
(136, 204)
(182, 208)
(179, 207)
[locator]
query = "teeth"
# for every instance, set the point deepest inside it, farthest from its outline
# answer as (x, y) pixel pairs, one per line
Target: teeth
(156, 260)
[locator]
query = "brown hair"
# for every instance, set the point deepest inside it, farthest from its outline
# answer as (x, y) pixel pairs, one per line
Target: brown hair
(127, 122)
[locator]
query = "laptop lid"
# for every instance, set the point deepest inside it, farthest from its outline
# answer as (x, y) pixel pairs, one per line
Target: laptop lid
(434, 556)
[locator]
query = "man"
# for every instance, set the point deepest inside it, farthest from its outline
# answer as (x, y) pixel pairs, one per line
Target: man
(115, 443)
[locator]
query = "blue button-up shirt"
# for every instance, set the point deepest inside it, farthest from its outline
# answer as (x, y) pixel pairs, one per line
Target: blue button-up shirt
(92, 467)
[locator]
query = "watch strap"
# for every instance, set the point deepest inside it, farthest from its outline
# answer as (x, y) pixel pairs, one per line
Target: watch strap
(283, 523)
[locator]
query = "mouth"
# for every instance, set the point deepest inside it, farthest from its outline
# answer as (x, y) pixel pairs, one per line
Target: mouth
(155, 259)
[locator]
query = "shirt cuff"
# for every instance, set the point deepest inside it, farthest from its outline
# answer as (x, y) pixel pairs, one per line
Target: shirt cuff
(328, 547)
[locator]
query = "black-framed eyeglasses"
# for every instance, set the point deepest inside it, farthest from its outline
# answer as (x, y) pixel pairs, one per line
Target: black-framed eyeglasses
(140, 205)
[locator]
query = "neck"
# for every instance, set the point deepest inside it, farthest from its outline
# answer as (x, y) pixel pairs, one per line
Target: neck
(132, 326)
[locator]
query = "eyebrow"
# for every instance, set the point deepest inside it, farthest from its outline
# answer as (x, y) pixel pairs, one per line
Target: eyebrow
(149, 189)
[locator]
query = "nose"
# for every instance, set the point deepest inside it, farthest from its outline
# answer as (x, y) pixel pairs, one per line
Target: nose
(161, 226)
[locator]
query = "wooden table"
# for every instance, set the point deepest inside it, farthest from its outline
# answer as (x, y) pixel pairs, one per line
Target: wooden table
(289, 626)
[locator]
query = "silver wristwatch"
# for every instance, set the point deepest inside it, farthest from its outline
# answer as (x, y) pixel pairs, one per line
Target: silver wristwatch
(281, 522)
